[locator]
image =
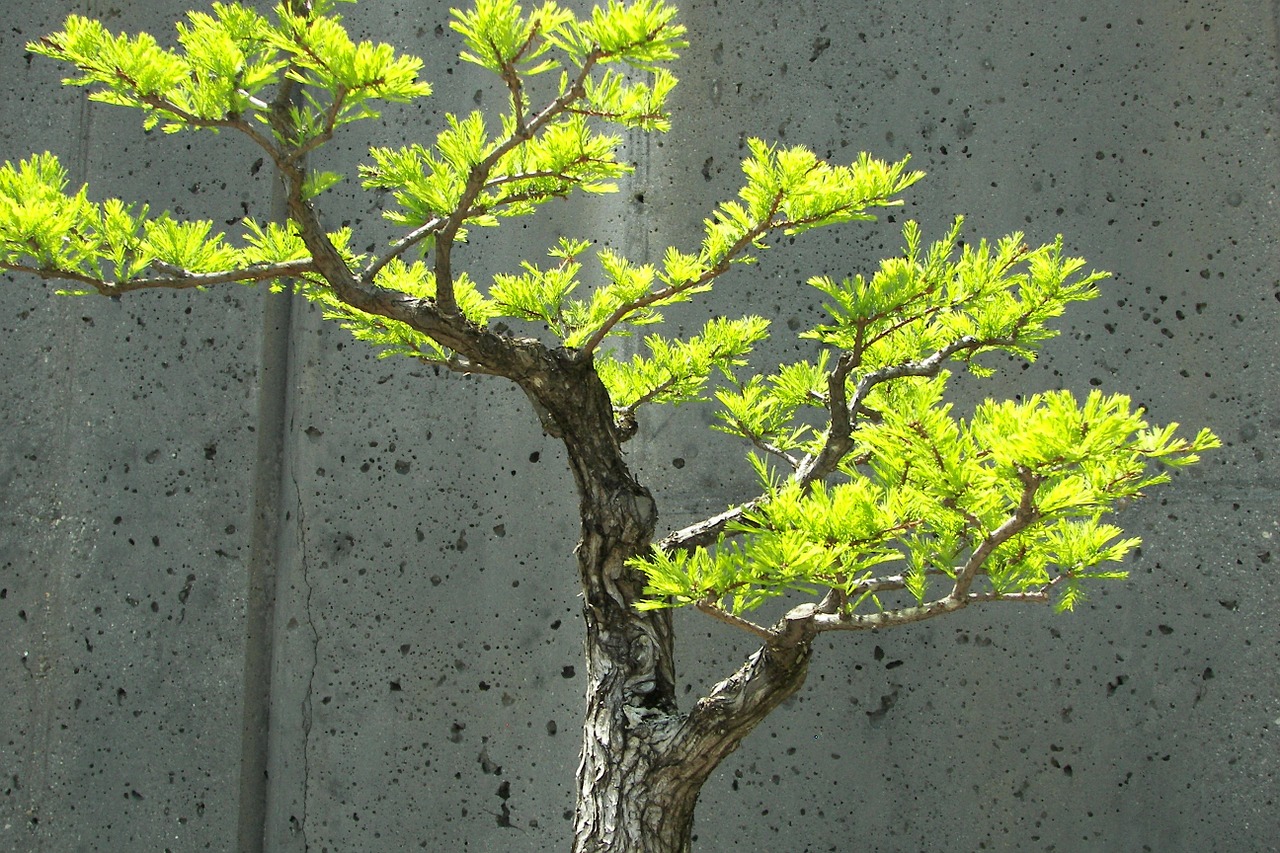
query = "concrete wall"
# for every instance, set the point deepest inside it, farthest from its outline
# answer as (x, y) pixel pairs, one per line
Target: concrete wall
(219, 511)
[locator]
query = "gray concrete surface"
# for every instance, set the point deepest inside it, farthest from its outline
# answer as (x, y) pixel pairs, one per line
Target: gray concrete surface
(218, 510)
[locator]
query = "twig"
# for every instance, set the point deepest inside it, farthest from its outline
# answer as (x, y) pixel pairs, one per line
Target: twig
(401, 246)
(620, 313)
(1023, 517)
(708, 607)
(446, 301)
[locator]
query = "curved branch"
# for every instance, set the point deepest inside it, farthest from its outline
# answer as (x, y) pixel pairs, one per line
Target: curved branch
(1023, 517)
(436, 223)
(237, 124)
(325, 135)
(820, 622)
(708, 530)
(718, 722)
(807, 619)
(816, 466)
(766, 224)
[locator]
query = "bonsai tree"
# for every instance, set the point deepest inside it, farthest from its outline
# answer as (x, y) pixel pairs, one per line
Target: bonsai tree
(877, 506)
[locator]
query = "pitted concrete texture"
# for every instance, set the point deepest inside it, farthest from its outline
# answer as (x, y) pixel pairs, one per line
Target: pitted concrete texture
(261, 590)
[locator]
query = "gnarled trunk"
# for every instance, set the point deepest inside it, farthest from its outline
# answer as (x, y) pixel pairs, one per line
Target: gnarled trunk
(641, 773)
(643, 762)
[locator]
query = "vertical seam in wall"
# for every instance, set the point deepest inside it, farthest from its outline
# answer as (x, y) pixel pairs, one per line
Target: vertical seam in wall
(264, 559)
(37, 762)
(1275, 56)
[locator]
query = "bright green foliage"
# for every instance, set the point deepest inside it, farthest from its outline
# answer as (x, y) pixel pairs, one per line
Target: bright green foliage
(273, 243)
(771, 410)
(792, 190)
(536, 156)
(322, 56)
(428, 184)
(74, 236)
(340, 78)
(797, 540)
(971, 300)
(677, 371)
(226, 62)
(541, 294)
(788, 191)
(641, 34)
(1013, 496)
(187, 245)
(1060, 463)
(501, 39)
(638, 105)
(38, 219)
(873, 492)
(925, 491)
(924, 299)
(626, 299)
(785, 190)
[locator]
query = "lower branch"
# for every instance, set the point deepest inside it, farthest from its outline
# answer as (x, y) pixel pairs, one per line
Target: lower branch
(672, 756)
(176, 280)
(808, 619)
(707, 531)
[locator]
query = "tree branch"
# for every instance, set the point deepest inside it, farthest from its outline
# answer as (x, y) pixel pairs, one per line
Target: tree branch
(710, 274)
(401, 246)
(479, 176)
(435, 224)
(885, 583)
(460, 364)
(809, 618)
(706, 531)
(179, 280)
(839, 440)
(237, 124)
(709, 607)
(330, 122)
(718, 722)
(820, 622)
(1023, 517)
(814, 467)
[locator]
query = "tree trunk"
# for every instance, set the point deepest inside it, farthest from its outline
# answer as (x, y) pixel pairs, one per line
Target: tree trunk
(643, 763)
(640, 776)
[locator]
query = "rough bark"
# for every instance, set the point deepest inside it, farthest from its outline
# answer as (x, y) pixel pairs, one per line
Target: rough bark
(643, 763)
(640, 776)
